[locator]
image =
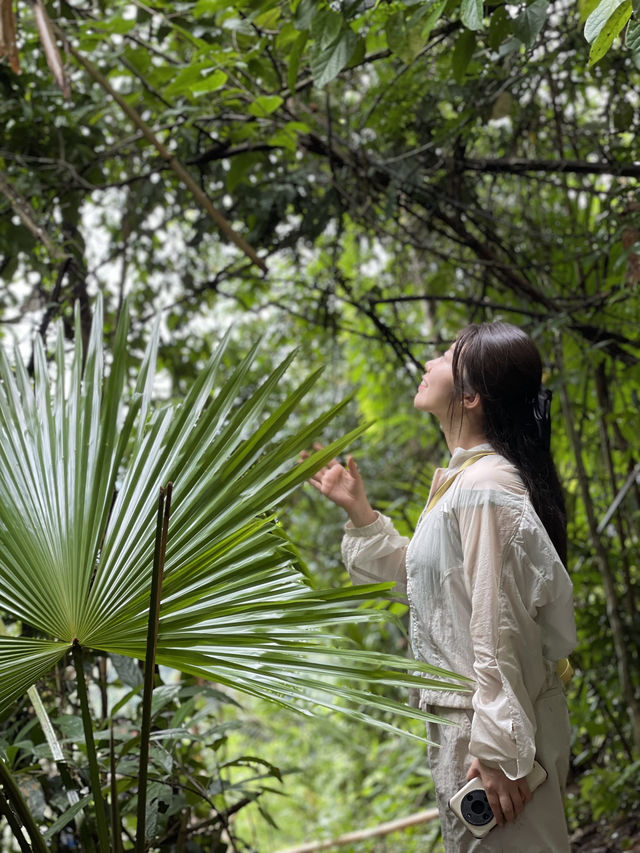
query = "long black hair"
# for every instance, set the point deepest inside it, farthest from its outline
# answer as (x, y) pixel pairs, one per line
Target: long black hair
(500, 363)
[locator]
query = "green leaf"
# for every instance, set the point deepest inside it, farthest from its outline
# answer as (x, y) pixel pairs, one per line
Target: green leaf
(462, 53)
(294, 59)
(471, 14)
(265, 105)
(304, 14)
(326, 26)
(405, 40)
(499, 27)
(240, 167)
(529, 22)
(23, 661)
(611, 29)
(210, 83)
(586, 7)
(287, 137)
(208, 7)
(185, 79)
(66, 817)
(434, 13)
(598, 19)
(128, 670)
(326, 63)
(632, 40)
(623, 116)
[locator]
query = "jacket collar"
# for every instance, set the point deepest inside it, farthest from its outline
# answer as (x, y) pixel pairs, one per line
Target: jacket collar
(461, 454)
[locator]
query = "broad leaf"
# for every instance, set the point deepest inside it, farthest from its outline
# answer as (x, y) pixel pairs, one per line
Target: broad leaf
(530, 21)
(597, 20)
(471, 12)
(611, 29)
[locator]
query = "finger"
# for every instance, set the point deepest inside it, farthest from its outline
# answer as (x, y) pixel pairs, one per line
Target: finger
(333, 462)
(496, 808)
(508, 808)
(525, 791)
(519, 801)
(352, 467)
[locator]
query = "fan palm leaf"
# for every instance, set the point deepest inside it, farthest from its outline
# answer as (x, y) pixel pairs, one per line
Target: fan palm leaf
(83, 453)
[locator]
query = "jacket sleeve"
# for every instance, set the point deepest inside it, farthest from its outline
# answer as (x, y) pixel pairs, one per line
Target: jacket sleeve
(376, 553)
(507, 652)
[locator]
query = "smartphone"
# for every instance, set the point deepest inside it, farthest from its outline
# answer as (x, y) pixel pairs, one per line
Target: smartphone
(470, 804)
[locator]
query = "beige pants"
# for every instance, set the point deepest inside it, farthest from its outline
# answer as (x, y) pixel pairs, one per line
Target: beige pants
(541, 827)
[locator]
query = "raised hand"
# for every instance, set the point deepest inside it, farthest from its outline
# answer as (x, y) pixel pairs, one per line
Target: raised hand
(344, 486)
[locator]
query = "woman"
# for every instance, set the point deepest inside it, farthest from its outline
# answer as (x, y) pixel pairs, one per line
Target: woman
(488, 592)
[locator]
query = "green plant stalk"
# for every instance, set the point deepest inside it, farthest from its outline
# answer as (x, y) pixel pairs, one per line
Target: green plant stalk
(92, 756)
(116, 829)
(162, 527)
(21, 810)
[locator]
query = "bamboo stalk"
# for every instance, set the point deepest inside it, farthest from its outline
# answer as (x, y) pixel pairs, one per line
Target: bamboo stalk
(173, 162)
(364, 834)
(92, 756)
(162, 527)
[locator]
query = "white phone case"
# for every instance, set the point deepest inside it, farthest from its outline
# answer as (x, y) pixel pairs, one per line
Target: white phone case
(470, 804)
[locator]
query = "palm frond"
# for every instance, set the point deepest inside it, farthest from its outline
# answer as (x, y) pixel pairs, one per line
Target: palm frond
(82, 458)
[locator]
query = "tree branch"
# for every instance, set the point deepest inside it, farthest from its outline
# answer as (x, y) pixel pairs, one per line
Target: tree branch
(201, 197)
(518, 166)
(29, 217)
(363, 834)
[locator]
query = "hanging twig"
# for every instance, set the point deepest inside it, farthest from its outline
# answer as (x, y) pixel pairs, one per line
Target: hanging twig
(47, 39)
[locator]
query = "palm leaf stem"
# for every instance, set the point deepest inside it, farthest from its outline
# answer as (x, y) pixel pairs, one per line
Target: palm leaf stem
(162, 527)
(92, 756)
(13, 806)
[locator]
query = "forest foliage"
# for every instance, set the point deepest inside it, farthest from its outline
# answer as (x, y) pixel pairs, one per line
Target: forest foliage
(356, 180)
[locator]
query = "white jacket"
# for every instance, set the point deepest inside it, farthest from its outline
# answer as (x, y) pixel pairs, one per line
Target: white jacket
(489, 599)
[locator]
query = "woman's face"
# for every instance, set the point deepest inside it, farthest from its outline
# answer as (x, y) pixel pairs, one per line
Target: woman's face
(435, 392)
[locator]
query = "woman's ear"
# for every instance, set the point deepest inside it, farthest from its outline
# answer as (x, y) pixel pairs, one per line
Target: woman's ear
(472, 402)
